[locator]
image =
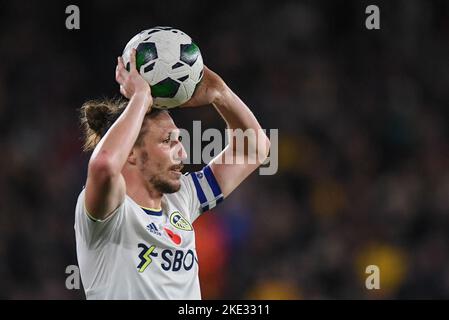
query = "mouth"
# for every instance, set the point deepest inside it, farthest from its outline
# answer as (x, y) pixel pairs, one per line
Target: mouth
(177, 169)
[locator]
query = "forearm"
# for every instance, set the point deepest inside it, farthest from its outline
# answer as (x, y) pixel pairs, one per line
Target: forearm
(237, 115)
(248, 144)
(114, 148)
(235, 112)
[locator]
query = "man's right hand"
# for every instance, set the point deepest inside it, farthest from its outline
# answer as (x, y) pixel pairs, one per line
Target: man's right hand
(131, 83)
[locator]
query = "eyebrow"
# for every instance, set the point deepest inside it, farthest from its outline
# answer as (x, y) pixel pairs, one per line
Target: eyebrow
(174, 133)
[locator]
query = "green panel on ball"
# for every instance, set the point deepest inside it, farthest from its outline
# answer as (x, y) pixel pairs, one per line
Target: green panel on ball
(167, 88)
(146, 52)
(189, 53)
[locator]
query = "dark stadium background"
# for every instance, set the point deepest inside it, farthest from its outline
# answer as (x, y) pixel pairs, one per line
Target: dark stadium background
(363, 142)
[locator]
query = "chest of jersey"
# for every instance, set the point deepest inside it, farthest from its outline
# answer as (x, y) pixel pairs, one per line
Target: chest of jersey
(163, 242)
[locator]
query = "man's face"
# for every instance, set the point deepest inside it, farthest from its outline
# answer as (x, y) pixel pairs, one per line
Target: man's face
(159, 158)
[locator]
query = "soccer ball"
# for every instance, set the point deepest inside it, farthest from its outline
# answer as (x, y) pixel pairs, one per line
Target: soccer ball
(169, 61)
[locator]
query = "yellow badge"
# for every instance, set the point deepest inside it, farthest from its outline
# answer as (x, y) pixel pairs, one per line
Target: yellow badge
(179, 222)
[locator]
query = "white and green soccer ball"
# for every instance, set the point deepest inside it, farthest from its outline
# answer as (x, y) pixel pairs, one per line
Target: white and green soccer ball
(169, 61)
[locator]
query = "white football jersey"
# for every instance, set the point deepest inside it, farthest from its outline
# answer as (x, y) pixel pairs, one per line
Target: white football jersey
(142, 253)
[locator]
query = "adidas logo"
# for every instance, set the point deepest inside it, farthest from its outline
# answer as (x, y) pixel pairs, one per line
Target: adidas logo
(153, 229)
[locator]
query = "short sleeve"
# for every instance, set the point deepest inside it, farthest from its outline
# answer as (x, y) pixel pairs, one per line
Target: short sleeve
(202, 192)
(95, 232)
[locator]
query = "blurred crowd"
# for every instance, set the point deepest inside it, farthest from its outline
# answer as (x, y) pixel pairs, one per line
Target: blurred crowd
(362, 116)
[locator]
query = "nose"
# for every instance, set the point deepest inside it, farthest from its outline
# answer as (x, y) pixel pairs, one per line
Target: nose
(182, 154)
(178, 152)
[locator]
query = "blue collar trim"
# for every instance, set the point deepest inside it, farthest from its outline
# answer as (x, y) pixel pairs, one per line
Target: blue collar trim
(152, 212)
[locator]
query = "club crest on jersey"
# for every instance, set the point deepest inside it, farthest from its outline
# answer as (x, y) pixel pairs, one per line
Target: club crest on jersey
(179, 222)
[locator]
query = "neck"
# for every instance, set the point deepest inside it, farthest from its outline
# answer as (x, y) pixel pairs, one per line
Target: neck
(141, 191)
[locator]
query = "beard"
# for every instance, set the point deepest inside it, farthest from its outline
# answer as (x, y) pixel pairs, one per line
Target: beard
(164, 186)
(159, 182)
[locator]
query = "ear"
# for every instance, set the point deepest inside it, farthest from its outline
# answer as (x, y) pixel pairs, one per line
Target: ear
(132, 158)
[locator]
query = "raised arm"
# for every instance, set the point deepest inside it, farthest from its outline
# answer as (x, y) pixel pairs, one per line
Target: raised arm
(105, 186)
(239, 158)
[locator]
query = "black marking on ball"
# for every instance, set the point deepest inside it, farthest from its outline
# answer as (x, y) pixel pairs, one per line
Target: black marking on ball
(149, 67)
(177, 65)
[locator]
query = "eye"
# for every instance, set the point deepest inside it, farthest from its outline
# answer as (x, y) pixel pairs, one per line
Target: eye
(180, 138)
(166, 140)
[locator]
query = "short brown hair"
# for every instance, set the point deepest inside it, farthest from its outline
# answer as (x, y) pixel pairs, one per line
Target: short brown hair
(97, 116)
